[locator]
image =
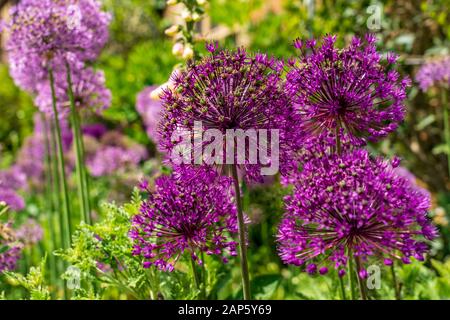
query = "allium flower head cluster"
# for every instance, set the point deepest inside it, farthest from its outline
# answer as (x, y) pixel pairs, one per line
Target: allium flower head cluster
(113, 152)
(150, 111)
(348, 88)
(10, 256)
(89, 92)
(56, 31)
(30, 232)
(226, 90)
(357, 206)
(190, 211)
(434, 72)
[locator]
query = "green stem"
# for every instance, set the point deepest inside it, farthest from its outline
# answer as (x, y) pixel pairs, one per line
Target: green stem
(195, 275)
(341, 283)
(81, 175)
(350, 275)
(362, 288)
(242, 236)
(61, 164)
(203, 275)
(395, 283)
(50, 205)
(446, 124)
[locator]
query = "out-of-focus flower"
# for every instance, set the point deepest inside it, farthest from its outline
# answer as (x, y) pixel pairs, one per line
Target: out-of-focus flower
(30, 232)
(11, 250)
(150, 111)
(53, 32)
(348, 89)
(434, 72)
(14, 201)
(191, 211)
(353, 206)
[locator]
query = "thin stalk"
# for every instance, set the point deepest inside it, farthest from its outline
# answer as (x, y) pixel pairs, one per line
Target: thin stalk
(350, 276)
(242, 236)
(341, 283)
(50, 205)
(362, 288)
(446, 124)
(61, 164)
(195, 274)
(82, 192)
(203, 275)
(395, 283)
(338, 140)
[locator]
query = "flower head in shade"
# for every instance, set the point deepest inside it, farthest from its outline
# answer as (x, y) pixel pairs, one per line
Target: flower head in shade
(12, 199)
(357, 206)
(30, 232)
(89, 92)
(150, 111)
(434, 72)
(11, 250)
(114, 152)
(348, 88)
(53, 31)
(228, 90)
(189, 212)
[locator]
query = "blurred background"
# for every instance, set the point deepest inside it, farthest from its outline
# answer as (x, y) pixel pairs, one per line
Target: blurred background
(139, 54)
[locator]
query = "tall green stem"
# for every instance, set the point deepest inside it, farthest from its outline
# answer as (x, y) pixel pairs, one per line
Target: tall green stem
(445, 107)
(195, 275)
(79, 148)
(50, 205)
(350, 275)
(341, 284)
(395, 283)
(61, 165)
(362, 288)
(242, 236)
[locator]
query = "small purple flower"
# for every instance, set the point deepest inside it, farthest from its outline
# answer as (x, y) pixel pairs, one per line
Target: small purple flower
(353, 205)
(12, 199)
(191, 211)
(30, 232)
(348, 89)
(11, 250)
(433, 73)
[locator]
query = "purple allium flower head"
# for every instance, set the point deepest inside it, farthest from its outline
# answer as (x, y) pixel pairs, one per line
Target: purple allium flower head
(10, 256)
(347, 88)
(150, 111)
(353, 205)
(95, 130)
(434, 72)
(191, 211)
(30, 232)
(14, 201)
(53, 31)
(228, 90)
(89, 92)
(114, 152)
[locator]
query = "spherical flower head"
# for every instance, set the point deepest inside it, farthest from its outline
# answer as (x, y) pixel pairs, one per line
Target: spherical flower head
(189, 212)
(150, 110)
(12, 199)
(30, 232)
(114, 153)
(13, 250)
(46, 33)
(227, 90)
(353, 205)
(89, 91)
(348, 88)
(434, 72)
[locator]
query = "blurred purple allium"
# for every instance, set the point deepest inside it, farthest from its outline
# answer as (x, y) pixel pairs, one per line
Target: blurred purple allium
(95, 130)
(89, 92)
(228, 90)
(434, 72)
(53, 32)
(10, 251)
(191, 211)
(150, 111)
(353, 205)
(14, 201)
(30, 232)
(348, 89)
(114, 152)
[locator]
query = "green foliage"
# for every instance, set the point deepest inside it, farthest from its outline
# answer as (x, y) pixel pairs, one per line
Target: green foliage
(33, 282)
